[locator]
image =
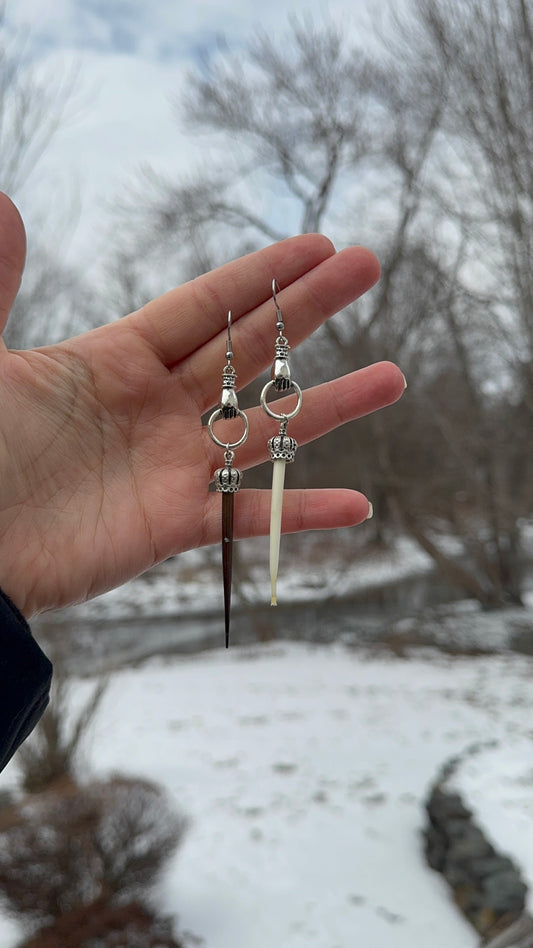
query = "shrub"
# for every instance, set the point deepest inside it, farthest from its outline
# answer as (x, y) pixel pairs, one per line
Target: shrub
(53, 750)
(70, 847)
(101, 925)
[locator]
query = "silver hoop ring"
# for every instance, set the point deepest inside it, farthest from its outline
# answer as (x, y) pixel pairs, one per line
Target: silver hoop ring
(287, 415)
(227, 445)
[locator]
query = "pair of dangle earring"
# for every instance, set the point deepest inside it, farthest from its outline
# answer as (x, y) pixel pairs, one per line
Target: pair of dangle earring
(282, 448)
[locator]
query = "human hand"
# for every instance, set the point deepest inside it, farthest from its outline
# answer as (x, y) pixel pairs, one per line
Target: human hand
(105, 464)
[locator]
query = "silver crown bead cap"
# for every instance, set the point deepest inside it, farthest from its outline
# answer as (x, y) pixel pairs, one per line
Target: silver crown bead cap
(282, 448)
(228, 480)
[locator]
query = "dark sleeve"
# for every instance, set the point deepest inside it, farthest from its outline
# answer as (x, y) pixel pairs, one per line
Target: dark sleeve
(25, 677)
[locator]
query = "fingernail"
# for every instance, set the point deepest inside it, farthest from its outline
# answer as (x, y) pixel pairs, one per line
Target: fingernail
(370, 513)
(404, 382)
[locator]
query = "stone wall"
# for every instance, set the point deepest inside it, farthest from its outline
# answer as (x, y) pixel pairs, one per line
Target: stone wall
(486, 885)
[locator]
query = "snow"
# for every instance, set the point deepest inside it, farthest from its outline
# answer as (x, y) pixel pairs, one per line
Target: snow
(303, 770)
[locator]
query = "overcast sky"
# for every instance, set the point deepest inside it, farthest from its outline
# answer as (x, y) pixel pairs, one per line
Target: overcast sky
(132, 57)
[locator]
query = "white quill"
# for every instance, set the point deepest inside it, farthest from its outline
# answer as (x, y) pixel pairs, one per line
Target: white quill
(276, 506)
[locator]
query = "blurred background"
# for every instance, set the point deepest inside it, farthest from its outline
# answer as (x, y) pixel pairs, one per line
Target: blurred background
(145, 145)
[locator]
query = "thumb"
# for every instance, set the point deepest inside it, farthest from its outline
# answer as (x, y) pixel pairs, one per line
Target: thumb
(12, 255)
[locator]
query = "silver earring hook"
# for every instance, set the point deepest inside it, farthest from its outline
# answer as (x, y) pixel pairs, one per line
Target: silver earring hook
(280, 325)
(229, 351)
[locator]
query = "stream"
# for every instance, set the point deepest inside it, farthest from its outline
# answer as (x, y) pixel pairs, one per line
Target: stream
(87, 646)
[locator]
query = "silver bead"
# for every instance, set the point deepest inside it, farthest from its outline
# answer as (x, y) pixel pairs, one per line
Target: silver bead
(228, 376)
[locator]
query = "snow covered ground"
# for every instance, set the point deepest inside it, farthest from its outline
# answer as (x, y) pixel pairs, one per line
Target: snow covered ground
(303, 770)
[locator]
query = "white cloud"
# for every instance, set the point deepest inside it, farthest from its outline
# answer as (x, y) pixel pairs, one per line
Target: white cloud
(125, 119)
(162, 28)
(133, 58)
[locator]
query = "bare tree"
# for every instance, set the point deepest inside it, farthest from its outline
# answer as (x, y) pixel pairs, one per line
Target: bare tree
(290, 106)
(54, 751)
(431, 137)
(53, 302)
(289, 129)
(481, 408)
(31, 107)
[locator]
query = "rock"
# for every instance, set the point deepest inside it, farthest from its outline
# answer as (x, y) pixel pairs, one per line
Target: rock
(468, 898)
(457, 875)
(435, 848)
(456, 829)
(470, 847)
(490, 865)
(443, 806)
(484, 920)
(505, 892)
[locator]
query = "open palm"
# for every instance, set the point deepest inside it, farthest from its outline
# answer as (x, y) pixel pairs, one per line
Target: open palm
(105, 463)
